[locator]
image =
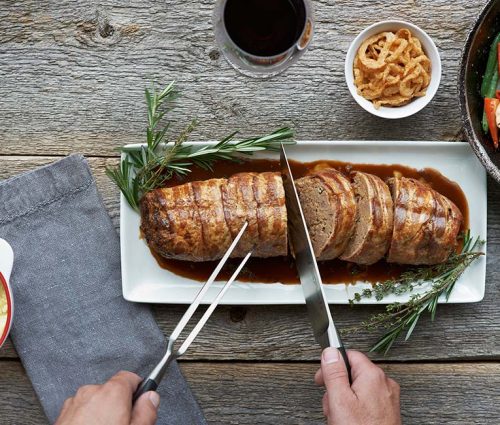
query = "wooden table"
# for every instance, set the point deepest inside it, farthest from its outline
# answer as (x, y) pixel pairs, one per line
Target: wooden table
(72, 78)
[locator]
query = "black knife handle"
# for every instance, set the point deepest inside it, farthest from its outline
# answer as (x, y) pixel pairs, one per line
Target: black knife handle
(343, 352)
(146, 385)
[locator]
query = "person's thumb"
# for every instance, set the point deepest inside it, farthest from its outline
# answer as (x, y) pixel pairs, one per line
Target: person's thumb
(145, 411)
(334, 374)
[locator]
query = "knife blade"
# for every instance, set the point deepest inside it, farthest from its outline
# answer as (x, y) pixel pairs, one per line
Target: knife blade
(324, 329)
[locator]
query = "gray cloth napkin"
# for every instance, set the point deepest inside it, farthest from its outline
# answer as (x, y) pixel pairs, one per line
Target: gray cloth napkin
(72, 327)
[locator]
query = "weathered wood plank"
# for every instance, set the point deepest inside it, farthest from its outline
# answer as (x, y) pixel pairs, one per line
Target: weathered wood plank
(73, 74)
(18, 404)
(283, 333)
(272, 393)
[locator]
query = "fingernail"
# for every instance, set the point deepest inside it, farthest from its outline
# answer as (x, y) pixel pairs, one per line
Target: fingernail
(154, 398)
(330, 355)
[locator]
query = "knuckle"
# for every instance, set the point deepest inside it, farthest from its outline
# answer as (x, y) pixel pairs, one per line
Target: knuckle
(318, 377)
(67, 402)
(122, 374)
(86, 390)
(81, 391)
(124, 377)
(394, 386)
(113, 386)
(394, 383)
(378, 373)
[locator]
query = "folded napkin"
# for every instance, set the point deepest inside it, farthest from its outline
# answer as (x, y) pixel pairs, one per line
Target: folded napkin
(72, 326)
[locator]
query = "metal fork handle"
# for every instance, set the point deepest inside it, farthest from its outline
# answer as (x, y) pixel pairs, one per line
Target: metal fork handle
(152, 382)
(146, 386)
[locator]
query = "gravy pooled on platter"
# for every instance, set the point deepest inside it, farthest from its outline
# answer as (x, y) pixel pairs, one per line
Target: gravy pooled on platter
(282, 269)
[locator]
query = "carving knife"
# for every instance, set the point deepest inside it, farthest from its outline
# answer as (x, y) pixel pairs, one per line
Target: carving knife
(320, 316)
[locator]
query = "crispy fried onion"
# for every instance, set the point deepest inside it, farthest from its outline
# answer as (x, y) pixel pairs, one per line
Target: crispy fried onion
(391, 69)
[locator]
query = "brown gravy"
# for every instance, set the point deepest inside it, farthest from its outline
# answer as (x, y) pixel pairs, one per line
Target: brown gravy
(282, 269)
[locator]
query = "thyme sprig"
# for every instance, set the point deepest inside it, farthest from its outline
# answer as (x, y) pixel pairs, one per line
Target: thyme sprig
(399, 318)
(147, 167)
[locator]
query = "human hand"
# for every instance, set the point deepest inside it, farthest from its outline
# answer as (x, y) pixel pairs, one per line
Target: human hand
(372, 399)
(111, 404)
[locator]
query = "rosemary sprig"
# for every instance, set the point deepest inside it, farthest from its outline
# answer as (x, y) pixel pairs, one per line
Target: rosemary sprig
(399, 318)
(149, 166)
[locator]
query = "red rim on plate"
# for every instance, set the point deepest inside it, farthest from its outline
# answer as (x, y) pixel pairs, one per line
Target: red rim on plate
(5, 331)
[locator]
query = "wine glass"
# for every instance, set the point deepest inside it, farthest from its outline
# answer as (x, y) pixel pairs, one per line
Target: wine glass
(262, 38)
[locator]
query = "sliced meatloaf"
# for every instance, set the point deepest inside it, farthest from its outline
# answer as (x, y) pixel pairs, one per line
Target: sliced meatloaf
(271, 213)
(374, 220)
(214, 228)
(197, 221)
(426, 224)
(240, 205)
(329, 206)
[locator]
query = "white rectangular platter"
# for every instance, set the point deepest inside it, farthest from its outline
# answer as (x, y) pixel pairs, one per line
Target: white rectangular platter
(144, 281)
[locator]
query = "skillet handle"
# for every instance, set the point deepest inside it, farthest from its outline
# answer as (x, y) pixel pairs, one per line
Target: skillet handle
(343, 352)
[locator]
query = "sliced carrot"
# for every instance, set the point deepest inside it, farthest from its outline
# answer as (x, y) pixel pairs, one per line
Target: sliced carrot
(490, 107)
(498, 57)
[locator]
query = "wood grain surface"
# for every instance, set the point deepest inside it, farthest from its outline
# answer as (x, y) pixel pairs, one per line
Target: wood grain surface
(72, 79)
(73, 74)
(284, 393)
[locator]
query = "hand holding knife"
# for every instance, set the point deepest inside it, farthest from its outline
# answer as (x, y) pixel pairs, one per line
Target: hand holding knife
(324, 328)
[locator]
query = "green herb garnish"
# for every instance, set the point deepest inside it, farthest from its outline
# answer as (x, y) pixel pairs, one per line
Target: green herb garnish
(148, 167)
(403, 317)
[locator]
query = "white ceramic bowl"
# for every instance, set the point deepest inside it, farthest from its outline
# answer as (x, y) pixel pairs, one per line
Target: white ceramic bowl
(430, 50)
(6, 262)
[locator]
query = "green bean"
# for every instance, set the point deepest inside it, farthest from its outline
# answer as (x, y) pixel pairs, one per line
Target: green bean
(492, 84)
(490, 79)
(491, 67)
(491, 92)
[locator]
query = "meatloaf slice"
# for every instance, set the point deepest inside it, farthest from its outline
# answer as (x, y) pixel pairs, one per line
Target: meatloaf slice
(271, 214)
(171, 224)
(236, 213)
(426, 224)
(258, 198)
(374, 220)
(243, 183)
(215, 231)
(329, 206)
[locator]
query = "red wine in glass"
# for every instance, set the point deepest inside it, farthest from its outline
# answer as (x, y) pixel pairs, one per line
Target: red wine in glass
(264, 27)
(263, 37)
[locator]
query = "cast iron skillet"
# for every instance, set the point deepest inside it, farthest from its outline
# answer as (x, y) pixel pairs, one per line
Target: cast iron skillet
(474, 58)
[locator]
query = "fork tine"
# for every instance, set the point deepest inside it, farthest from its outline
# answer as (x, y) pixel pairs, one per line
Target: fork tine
(199, 326)
(192, 308)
